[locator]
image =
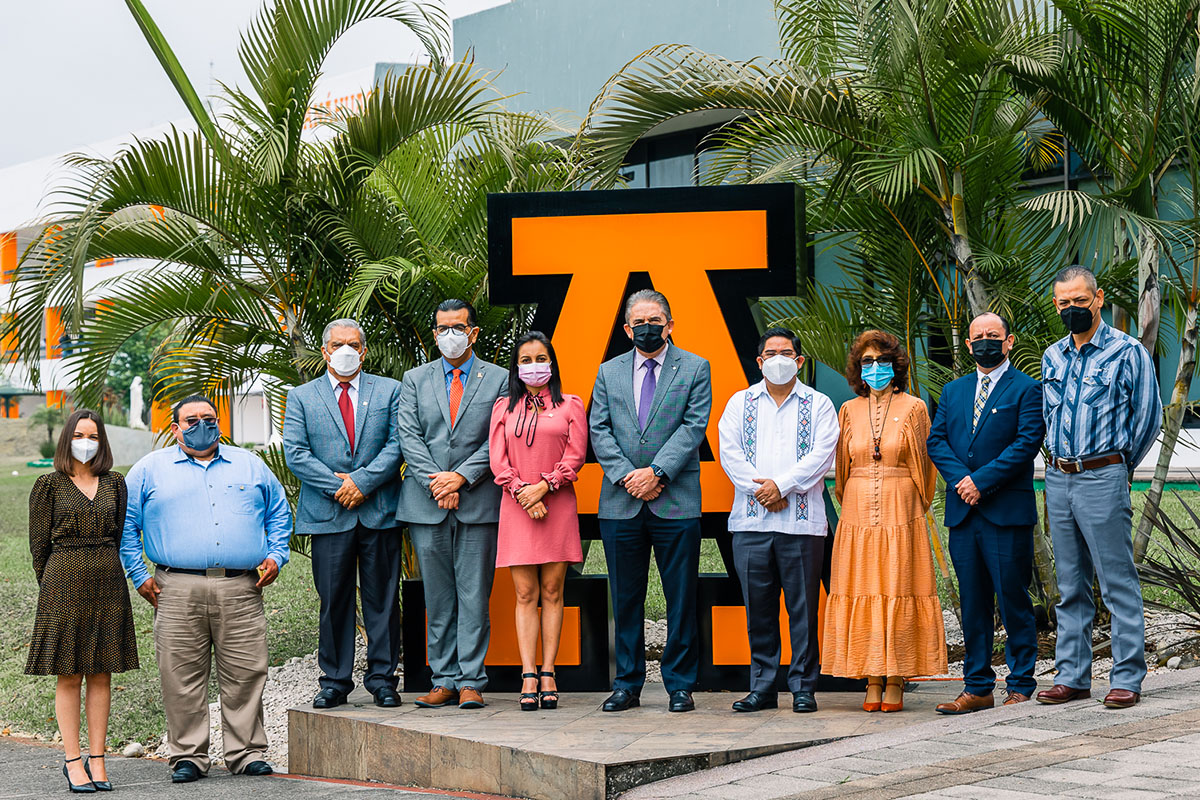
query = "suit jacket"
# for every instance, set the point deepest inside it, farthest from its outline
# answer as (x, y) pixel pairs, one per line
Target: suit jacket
(431, 445)
(998, 455)
(316, 446)
(674, 430)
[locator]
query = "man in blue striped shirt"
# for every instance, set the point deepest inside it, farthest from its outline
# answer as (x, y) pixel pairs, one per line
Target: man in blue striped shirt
(1103, 411)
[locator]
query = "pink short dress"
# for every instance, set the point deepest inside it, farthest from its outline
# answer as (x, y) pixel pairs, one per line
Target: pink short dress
(526, 447)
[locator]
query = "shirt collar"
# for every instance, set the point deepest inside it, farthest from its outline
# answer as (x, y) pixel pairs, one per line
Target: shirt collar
(466, 367)
(760, 388)
(639, 359)
(996, 374)
(1099, 338)
(181, 456)
(334, 380)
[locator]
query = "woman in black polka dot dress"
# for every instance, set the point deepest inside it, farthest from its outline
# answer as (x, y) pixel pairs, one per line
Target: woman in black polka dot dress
(84, 624)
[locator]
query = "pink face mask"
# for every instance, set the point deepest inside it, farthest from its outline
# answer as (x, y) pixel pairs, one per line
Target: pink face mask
(534, 374)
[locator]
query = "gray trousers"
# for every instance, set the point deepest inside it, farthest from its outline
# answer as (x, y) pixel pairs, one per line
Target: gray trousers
(766, 563)
(1091, 527)
(458, 562)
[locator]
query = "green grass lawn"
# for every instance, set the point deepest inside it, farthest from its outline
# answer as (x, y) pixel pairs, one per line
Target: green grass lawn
(27, 702)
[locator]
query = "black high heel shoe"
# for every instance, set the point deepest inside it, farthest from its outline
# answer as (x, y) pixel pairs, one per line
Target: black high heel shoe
(101, 786)
(80, 788)
(548, 698)
(529, 700)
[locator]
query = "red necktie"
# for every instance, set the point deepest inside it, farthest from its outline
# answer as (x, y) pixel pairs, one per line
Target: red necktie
(347, 409)
(456, 389)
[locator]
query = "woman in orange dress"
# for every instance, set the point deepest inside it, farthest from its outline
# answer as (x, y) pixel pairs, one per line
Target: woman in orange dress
(883, 621)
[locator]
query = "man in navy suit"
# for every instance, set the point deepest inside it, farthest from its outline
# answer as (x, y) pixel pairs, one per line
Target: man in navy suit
(986, 432)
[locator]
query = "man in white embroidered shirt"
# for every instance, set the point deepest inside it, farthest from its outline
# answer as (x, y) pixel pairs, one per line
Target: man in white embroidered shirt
(778, 439)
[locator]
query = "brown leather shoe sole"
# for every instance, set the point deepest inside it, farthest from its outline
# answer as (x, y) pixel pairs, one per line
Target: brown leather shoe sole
(430, 701)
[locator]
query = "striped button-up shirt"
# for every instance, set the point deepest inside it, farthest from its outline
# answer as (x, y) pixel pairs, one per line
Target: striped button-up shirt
(1100, 398)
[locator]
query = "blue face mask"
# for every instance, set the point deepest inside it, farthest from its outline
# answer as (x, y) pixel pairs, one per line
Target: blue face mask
(203, 435)
(878, 375)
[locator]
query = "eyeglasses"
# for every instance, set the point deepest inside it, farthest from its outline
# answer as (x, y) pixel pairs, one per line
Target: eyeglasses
(193, 420)
(440, 329)
(773, 353)
(867, 361)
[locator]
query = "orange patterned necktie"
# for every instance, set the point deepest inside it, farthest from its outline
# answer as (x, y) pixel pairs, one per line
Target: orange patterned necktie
(456, 390)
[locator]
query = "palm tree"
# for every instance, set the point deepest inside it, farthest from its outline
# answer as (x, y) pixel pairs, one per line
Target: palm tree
(892, 104)
(262, 236)
(1123, 94)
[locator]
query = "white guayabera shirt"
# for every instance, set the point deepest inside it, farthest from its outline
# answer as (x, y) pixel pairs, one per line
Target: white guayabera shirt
(793, 444)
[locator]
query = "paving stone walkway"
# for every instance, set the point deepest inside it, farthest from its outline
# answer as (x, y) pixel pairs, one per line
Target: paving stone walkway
(1029, 751)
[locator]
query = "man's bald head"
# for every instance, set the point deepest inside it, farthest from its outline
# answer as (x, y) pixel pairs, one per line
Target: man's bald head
(986, 321)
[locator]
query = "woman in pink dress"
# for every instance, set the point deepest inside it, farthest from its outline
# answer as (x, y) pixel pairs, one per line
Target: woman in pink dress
(537, 444)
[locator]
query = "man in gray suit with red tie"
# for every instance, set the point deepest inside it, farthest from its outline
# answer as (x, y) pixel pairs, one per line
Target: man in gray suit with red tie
(340, 439)
(451, 503)
(649, 414)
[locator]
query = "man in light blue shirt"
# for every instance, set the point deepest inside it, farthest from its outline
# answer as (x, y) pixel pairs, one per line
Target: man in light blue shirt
(215, 522)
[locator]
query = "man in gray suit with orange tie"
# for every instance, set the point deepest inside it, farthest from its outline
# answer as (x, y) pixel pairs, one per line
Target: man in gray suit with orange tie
(450, 502)
(340, 439)
(649, 413)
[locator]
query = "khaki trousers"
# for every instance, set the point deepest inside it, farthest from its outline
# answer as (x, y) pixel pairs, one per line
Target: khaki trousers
(198, 618)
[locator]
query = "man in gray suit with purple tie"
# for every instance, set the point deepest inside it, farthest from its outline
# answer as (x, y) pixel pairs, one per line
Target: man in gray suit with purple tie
(649, 414)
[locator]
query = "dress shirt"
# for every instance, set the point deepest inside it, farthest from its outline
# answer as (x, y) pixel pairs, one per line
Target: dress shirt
(228, 512)
(639, 374)
(995, 375)
(793, 444)
(466, 368)
(1101, 398)
(353, 391)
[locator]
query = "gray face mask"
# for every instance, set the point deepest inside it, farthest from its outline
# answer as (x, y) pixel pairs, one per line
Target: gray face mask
(203, 435)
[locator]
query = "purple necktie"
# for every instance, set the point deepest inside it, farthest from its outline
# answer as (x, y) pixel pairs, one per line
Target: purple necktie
(648, 384)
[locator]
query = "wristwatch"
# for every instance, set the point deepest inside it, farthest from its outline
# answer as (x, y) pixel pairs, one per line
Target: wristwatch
(657, 470)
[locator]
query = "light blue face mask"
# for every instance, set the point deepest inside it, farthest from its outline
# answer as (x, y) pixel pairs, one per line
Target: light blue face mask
(878, 375)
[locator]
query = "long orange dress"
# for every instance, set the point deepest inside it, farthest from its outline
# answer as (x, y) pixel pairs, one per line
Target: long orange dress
(882, 615)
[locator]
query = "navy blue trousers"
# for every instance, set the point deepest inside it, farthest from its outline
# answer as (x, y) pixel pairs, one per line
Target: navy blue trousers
(995, 561)
(676, 543)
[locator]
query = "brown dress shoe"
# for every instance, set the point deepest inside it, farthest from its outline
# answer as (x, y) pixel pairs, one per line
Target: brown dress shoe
(1121, 698)
(440, 697)
(1059, 694)
(965, 703)
(469, 697)
(1016, 697)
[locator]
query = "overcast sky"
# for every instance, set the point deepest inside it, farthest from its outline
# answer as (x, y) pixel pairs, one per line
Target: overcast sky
(79, 71)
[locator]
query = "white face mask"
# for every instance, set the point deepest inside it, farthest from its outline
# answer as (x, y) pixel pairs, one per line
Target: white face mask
(345, 360)
(453, 344)
(84, 449)
(779, 369)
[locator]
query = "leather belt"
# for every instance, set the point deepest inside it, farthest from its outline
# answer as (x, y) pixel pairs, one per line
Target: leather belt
(214, 572)
(1073, 466)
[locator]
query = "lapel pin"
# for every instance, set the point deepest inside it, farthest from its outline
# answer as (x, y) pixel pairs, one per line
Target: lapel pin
(993, 411)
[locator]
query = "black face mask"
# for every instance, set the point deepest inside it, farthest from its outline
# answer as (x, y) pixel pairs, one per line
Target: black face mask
(1077, 318)
(648, 338)
(988, 353)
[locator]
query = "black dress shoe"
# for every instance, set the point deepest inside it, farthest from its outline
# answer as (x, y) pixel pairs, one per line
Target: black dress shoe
(757, 701)
(803, 702)
(186, 772)
(328, 698)
(387, 697)
(620, 700)
(681, 701)
(258, 768)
